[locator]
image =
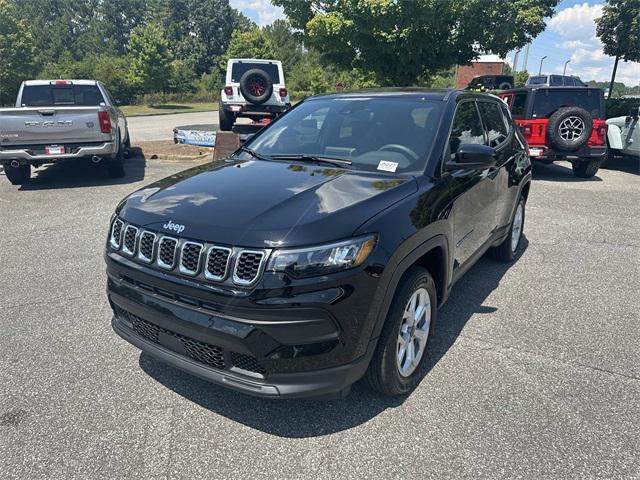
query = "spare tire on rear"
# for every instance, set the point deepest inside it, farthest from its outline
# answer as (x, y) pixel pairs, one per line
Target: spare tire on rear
(569, 128)
(256, 86)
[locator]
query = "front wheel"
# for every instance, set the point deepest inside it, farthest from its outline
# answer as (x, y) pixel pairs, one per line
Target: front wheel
(507, 250)
(399, 362)
(18, 175)
(226, 119)
(585, 168)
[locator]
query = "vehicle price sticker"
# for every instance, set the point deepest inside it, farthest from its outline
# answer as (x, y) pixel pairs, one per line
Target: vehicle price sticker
(387, 166)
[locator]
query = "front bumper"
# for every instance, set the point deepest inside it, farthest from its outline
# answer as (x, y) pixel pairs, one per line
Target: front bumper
(544, 153)
(27, 156)
(288, 344)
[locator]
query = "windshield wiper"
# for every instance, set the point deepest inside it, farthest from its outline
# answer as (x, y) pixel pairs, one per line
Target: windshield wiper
(254, 154)
(340, 162)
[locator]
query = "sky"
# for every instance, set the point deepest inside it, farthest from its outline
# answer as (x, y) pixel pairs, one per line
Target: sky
(570, 35)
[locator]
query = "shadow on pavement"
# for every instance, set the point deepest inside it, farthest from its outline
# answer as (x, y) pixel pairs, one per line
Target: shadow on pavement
(309, 418)
(83, 173)
(558, 172)
(627, 164)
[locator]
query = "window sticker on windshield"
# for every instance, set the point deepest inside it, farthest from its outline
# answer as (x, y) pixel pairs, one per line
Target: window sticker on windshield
(387, 166)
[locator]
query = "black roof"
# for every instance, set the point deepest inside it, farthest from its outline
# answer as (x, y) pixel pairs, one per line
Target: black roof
(418, 92)
(547, 87)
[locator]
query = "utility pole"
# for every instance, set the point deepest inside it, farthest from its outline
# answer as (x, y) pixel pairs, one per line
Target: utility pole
(540, 69)
(515, 61)
(526, 57)
(564, 71)
(613, 76)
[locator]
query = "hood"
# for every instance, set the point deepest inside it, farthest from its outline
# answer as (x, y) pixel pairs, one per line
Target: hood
(264, 204)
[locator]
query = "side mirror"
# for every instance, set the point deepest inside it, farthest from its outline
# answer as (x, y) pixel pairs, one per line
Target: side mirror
(472, 156)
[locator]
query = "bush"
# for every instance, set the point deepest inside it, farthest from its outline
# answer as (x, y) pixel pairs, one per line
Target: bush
(620, 107)
(163, 98)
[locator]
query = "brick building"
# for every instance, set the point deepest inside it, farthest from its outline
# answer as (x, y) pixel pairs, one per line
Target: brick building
(464, 73)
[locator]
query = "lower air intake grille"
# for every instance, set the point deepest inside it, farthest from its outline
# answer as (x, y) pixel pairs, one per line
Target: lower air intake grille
(248, 267)
(247, 362)
(199, 351)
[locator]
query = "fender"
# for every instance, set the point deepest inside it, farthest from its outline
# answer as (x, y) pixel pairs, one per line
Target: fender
(389, 286)
(614, 136)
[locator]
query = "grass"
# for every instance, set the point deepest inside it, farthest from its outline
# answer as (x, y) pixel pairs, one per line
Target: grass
(138, 110)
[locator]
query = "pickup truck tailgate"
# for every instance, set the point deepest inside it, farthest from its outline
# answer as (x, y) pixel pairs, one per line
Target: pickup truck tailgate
(46, 125)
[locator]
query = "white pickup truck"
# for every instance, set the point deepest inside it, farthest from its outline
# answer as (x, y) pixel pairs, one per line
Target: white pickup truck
(56, 120)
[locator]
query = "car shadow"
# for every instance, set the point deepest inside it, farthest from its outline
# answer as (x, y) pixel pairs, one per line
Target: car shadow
(628, 164)
(558, 172)
(312, 418)
(84, 173)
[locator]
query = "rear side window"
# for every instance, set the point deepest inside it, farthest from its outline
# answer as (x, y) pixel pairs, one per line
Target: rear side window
(53, 95)
(239, 69)
(494, 123)
(556, 81)
(537, 80)
(519, 105)
(466, 127)
(546, 102)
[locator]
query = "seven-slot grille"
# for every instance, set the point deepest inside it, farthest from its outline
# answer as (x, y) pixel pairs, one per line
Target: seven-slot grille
(145, 249)
(190, 258)
(248, 267)
(213, 262)
(167, 252)
(129, 242)
(217, 263)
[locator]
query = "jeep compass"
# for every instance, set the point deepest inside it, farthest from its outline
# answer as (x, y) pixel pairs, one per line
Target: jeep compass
(319, 252)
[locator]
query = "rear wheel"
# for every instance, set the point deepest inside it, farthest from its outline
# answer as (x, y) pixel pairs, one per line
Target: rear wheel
(127, 145)
(115, 165)
(399, 362)
(585, 168)
(507, 250)
(226, 119)
(18, 175)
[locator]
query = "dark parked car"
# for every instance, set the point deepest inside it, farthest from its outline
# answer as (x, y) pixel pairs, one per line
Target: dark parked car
(562, 123)
(491, 82)
(321, 250)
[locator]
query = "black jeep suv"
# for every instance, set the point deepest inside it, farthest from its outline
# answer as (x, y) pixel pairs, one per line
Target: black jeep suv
(319, 252)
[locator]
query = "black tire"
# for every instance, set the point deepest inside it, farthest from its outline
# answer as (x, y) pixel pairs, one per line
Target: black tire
(383, 373)
(585, 168)
(115, 165)
(505, 86)
(561, 120)
(226, 119)
(256, 86)
(18, 175)
(505, 252)
(127, 145)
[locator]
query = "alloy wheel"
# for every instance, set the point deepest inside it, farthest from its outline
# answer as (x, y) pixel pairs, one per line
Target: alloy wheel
(414, 332)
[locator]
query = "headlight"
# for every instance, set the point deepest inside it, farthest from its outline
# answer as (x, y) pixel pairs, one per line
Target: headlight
(323, 259)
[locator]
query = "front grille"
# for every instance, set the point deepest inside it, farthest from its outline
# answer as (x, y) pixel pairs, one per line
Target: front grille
(248, 267)
(247, 362)
(190, 258)
(129, 243)
(145, 249)
(116, 233)
(167, 252)
(217, 263)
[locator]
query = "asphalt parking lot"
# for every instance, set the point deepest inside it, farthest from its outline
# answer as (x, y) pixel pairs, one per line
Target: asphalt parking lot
(535, 366)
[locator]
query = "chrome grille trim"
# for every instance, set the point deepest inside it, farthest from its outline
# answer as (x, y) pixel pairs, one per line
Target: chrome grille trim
(141, 256)
(181, 266)
(238, 260)
(159, 261)
(116, 242)
(126, 250)
(207, 273)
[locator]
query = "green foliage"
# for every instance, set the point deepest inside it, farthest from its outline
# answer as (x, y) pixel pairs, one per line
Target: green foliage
(16, 51)
(619, 29)
(520, 78)
(621, 107)
(150, 69)
(251, 44)
(403, 41)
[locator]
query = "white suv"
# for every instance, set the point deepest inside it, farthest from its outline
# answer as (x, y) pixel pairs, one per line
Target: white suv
(253, 89)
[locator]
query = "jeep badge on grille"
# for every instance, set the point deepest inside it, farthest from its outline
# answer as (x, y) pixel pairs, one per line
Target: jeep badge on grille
(176, 227)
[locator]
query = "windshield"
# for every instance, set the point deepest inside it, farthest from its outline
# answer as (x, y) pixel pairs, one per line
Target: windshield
(240, 68)
(51, 95)
(392, 134)
(546, 102)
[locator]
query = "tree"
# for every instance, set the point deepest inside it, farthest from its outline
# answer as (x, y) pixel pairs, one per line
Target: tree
(251, 44)
(401, 41)
(520, 78)
(619, 30)
(150, 69)
(16, 52)
(286, 44)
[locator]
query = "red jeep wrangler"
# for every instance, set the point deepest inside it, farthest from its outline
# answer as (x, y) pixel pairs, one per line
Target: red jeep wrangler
(562, 123)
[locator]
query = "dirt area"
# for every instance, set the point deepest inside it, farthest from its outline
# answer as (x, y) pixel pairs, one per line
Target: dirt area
(167, 150)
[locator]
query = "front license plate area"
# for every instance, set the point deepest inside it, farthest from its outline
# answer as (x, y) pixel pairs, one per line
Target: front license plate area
(171, 342)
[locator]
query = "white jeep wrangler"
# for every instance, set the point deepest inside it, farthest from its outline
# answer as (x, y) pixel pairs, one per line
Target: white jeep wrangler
(253, 89)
